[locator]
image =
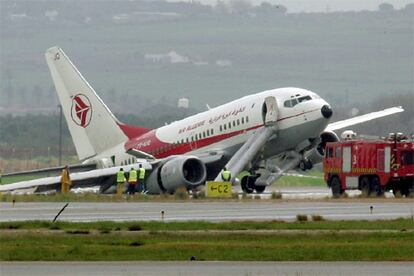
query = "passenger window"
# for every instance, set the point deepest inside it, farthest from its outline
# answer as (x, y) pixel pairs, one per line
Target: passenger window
(238, 122)
(234, 123)
(208, 132)
(224, 126)
(212, 131)
(221, 128)
(242, 120)
(229, 125)
(247, 119)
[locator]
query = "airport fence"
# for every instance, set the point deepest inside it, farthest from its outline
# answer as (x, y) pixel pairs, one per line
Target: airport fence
(23, 159)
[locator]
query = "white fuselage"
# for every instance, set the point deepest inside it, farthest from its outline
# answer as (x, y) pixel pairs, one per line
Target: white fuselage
(227, 127)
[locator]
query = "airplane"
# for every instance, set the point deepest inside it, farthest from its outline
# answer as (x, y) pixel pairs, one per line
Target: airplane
(289, 124)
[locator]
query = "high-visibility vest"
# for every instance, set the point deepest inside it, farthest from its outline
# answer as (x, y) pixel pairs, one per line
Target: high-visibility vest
(120, 176)
(226, 175)
(132, 176)
(141, 173)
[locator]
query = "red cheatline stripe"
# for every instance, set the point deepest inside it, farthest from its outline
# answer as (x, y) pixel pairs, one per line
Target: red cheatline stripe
(173, 149)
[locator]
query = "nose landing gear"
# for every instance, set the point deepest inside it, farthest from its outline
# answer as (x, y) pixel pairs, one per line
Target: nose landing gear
(306, 164)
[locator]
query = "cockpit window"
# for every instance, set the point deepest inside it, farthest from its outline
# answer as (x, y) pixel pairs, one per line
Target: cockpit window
(287, 104)
(304, 98)
(294, 101)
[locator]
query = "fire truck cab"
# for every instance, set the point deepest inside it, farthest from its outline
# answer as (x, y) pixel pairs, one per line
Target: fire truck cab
(372, 166)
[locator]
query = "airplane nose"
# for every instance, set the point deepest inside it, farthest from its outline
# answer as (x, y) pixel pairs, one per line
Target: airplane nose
(326, 111)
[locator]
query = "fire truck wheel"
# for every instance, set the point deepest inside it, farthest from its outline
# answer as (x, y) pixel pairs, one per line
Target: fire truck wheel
(365, 189)
(336, 187)
(396, 191)
(376, 187)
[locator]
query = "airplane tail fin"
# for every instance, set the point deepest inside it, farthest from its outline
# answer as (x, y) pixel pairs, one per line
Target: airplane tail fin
(92, 125)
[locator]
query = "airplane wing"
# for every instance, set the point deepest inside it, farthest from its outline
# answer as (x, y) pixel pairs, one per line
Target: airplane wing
(363, 118)
(211, 157)
(140, 154)
(80, 179)
(53, 170)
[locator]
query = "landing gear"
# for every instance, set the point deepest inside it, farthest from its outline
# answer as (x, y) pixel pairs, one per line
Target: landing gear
(306, 164)
(248, 184)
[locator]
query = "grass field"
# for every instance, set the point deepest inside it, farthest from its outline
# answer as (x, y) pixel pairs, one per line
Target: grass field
(107, 241)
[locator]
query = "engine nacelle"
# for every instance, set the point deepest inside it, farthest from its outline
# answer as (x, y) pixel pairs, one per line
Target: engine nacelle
(175, 172)
(318, 153)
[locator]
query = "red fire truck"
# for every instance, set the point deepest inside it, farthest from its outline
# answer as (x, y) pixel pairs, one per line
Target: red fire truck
(372, 166)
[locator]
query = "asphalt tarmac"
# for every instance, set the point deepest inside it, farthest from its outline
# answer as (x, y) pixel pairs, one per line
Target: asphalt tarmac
(209, 211)
(206, 268)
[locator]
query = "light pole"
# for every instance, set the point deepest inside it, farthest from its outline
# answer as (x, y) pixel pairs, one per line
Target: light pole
(60, 134)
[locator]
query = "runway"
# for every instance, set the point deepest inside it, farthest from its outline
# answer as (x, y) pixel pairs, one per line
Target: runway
(206, 268)
(209, 211)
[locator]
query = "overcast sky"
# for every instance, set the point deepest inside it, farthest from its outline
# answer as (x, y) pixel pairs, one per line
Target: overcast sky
(322, 5)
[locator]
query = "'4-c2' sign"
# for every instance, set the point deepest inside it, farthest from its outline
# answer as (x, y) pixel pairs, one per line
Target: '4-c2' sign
(218, 189)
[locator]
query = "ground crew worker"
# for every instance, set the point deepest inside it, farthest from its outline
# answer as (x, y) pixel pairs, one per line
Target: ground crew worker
(120, 181)
(132, 181)
(225, 175)
(141, 177)
(65, 180)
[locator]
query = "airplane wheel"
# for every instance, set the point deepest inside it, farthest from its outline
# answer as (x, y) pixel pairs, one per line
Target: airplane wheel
(302, 165)
(259, 189)
(246, 184)
(309, 164)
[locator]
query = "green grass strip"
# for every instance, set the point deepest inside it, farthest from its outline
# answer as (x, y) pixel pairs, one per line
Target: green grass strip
(208, 246)
(396, 224)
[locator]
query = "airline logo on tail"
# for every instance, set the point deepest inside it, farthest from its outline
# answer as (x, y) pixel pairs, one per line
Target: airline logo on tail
(81, 111)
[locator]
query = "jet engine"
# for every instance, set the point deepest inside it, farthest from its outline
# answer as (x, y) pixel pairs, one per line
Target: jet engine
(318, 153)
(175, 172)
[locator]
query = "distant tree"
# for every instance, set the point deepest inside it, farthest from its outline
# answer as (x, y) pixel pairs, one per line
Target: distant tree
(221, 7)
(385, 7)
(266, 8)
(409, 8)
(280, 9)
(240, 7)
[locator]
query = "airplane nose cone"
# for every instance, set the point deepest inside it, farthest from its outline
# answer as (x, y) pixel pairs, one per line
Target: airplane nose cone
(326, 111)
